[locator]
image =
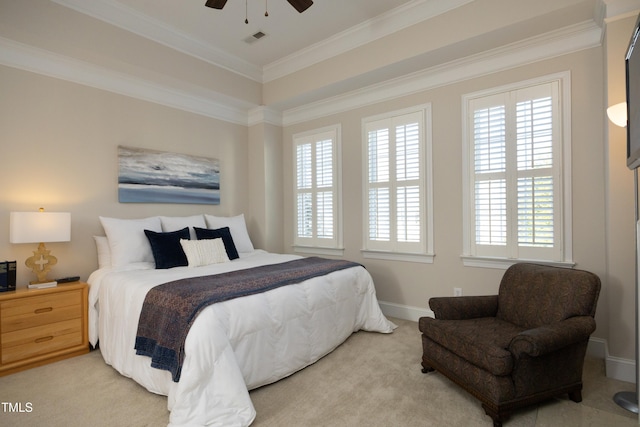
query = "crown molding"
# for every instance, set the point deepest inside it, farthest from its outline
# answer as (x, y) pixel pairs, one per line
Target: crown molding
(221, 107)
(388, 23)
(556, 43)
(262, 114)
(131, 20)
(619, 9)
(206, 103)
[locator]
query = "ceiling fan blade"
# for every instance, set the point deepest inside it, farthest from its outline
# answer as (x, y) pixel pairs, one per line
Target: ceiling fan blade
(216, 4)
(300, 5)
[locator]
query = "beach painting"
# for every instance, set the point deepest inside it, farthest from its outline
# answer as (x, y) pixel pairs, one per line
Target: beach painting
(149, 176)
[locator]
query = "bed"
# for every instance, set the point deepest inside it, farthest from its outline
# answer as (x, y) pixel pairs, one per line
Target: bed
(232, 346)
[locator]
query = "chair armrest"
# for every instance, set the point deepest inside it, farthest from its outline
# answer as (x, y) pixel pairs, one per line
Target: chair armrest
(469, 307)
(548, 338)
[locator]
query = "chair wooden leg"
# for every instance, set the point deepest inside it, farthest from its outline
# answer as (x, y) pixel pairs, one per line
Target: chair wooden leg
(496, 415)
(576, 396)
(426, 368)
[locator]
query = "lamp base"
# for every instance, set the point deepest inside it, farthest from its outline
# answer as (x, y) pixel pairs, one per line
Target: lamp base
(627, 400)
(41, 262)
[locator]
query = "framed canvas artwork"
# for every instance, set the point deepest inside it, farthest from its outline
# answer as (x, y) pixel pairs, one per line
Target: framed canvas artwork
(149, 176)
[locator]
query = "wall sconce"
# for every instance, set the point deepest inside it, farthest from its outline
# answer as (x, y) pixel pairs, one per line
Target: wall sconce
(40, 227)
(618, 114)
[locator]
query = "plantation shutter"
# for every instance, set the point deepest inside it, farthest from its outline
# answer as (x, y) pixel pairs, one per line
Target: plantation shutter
(395, 183)
(515, 173)
(316, 189)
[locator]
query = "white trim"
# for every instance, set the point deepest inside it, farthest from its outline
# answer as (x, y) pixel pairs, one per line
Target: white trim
(556, 43)
(206, 103)
(619, 9)
(264, 114)
(404, 312)
(597, 348)
(615, 367)
(398, 256)
(504, 263)
(318, 251)
(620, 369)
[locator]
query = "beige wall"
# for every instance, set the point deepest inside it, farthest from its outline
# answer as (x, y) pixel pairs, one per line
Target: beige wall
(265, 192)
(59, 150)
(620, 202)
(412, 284)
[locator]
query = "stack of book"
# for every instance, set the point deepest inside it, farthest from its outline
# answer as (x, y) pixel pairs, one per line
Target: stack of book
(7, 276)
(42, 285)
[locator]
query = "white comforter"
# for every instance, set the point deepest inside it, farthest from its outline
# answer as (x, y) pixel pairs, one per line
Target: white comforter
(236, 345)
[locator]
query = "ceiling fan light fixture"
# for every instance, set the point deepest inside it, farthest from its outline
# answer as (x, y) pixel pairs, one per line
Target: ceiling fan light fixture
(299, 5)
(216, 4)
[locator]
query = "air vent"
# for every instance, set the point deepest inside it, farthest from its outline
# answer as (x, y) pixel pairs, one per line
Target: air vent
(255, 37)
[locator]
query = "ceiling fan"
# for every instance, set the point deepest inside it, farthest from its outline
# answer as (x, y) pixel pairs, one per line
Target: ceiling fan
(299, 5)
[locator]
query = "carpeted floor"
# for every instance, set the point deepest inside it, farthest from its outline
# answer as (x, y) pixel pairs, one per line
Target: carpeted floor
(371, 380)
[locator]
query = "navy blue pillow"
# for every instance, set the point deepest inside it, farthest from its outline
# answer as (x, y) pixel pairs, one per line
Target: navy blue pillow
(219, 233)
(166, 248)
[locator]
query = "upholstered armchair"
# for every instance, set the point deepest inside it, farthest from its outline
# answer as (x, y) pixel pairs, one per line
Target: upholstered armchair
(517, 348)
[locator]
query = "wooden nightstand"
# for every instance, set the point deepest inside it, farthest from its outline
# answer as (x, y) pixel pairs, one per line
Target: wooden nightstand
(39, 326)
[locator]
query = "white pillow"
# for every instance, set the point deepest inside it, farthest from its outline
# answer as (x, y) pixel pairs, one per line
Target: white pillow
(175, 223)
(238, 229)
(204, 252)
(127, 241)
(104, 254)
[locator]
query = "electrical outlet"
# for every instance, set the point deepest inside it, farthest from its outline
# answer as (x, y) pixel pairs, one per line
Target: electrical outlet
(457, 292)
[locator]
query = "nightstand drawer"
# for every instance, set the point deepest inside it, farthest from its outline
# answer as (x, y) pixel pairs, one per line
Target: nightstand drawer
(39, 326)
(25, 343)
(39, 310)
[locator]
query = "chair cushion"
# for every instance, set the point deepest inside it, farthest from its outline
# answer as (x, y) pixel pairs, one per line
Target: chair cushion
(483, 341)
(534, 295)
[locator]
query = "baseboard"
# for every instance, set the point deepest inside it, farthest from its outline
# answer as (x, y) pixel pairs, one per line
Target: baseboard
(404, 312)
(615, 367)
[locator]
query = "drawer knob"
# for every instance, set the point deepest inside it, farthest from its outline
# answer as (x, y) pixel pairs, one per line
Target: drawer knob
(43, 310)
(43, 339)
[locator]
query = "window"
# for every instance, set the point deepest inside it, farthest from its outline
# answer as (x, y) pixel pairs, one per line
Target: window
(317, 190)
(397, 156)
(516, 192)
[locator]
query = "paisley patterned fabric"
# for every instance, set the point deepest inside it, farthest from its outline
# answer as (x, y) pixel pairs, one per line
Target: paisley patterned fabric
(464, 307)
(483, 342)
(473, 378)
(519, 347)
(533, 295)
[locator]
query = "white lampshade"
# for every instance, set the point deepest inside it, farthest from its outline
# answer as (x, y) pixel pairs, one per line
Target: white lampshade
(618, 114)
(39, 227)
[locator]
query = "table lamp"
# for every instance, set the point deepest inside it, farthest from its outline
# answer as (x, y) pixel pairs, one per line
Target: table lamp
(40, 227)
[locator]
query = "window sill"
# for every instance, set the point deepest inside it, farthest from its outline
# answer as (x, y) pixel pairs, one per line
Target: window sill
(398, 256)
(318, 251)
(504, 263)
